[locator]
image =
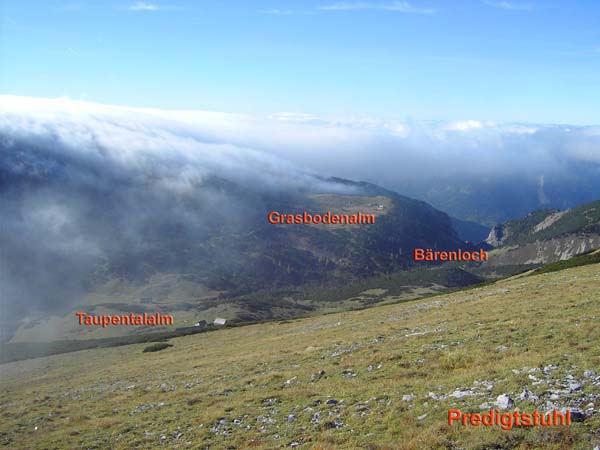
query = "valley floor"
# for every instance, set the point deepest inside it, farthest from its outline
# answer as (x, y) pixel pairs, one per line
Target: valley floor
(381, 378)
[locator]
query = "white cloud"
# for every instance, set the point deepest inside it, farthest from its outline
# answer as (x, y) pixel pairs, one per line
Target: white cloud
(406, 7)
(278, 12)
(345, 6)
(397, 6)
(370, 149)
(143, 6)
(464, 125)
(293, 117)
(510, 6)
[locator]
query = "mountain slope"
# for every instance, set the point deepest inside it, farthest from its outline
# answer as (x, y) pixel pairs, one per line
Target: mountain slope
(546, 224)
(108, 230)
(470, 231)
(378, 378)
(501, 195)
(545, 236)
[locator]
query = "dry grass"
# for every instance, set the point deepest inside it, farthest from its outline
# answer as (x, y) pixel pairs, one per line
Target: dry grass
(227, 389)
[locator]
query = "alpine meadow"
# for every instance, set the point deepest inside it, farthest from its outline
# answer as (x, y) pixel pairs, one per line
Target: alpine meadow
(300, 224)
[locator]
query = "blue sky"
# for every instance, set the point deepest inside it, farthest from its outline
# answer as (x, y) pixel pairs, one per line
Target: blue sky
(525, 61)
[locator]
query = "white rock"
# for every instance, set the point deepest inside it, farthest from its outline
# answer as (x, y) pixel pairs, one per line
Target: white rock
(290, 381)
(504, 402)
(528, 395)
(460, 394)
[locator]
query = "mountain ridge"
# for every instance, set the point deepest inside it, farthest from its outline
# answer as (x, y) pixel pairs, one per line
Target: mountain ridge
(545, 236)
(103, 234)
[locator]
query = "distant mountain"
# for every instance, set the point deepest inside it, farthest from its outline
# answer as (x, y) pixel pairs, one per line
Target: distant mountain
(96, 236)
(110, 209)
(546, 236)
(547, 224)
(489, 200)
(470, 231)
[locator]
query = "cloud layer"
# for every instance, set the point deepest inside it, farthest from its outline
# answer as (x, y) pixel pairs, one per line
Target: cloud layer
(397, 154)
(80, 182)
(85, 186)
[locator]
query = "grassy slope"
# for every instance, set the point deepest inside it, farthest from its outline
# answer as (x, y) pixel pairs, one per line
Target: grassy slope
(123, 398)
(259, 306)
(261, 258)
(574, 220)
(579, 260)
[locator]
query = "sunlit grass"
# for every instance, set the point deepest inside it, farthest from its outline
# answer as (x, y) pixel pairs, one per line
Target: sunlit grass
(260, 375)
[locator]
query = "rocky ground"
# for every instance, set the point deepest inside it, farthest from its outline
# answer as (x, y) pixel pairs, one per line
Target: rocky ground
(382, 378)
